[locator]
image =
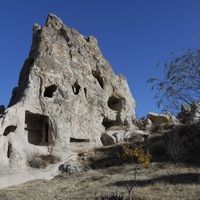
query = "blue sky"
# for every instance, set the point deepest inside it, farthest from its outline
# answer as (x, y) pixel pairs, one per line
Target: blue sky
(132, 34)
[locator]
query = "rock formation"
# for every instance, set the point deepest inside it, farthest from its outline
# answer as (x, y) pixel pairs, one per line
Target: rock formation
(190, 114)
(167, 118)
(67, 93)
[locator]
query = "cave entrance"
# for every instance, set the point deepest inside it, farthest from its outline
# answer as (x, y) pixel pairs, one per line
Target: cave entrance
(50, 90)
(9, 129)
(107, 123)
(37, 128)
(76, 87)
(78, 143)
(78, 140)
(99, 77)
(115, 103)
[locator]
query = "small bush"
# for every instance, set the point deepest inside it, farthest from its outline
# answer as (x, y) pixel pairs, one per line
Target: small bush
(179, 142)
(157, 149)
(42, 161)
(175, 146)
(136, 156)
(158, 128)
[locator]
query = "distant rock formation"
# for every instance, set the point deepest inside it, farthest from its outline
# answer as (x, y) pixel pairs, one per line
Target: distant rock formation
(190, 114)
(67, 93)
(167, 118)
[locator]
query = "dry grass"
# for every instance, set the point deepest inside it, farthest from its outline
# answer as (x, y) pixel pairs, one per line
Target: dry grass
(42, 161)
(107, 175)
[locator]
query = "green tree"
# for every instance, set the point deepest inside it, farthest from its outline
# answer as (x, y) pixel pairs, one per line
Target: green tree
(181, 82)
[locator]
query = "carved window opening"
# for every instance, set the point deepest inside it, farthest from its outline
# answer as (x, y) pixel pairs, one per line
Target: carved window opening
(115, 103)
(99, 78)
(76, 87)
(85, 91)
(9, 150)
(37, 128)
(78, 140)
(50, 90)
(109, 123)
(9, 129)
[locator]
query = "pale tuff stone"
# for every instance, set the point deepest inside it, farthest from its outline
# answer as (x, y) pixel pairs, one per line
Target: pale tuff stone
(167, 118)
(158, 118)
(67, 93)
(148, 124)
(190, 114)
(118, 134)
(71, 166)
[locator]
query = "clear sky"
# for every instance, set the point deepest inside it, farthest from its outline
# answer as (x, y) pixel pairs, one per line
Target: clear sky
(132, 34)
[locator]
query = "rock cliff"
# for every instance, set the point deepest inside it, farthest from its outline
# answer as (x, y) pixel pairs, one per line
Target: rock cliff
(67, 93)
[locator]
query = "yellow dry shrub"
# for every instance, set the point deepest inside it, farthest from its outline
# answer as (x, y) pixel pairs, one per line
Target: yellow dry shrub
(137, 155)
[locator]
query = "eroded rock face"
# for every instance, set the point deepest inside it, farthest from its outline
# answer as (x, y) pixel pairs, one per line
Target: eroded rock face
(167, 118)
(190, 114)
(67, 91)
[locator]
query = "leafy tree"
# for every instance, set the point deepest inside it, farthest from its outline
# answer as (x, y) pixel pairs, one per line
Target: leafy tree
(181, 82)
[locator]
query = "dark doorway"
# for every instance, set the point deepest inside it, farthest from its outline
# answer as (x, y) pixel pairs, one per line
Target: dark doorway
(37, 128)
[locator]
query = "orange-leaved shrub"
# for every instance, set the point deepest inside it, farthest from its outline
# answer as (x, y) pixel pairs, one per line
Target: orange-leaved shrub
(136, 156)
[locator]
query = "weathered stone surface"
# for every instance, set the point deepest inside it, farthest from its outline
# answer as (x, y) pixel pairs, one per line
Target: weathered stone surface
(195, 112)
(158, 118)
(116, 134)
(67, 92)
(139, 123)
(190, 114)
(173, 119)
(148, 124)
(71, 166)
(143, 124)
(167, 118)
(185, 108)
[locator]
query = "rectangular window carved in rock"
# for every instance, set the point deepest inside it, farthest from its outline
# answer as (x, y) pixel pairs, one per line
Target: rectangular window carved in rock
(37, 127)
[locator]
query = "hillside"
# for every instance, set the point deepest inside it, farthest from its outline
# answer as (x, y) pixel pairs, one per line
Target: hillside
(106, 175)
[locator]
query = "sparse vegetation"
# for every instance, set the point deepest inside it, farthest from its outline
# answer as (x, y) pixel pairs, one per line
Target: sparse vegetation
(180, 84)
(182, 143)
(42, 161)
(175, 146)
(108, 175)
